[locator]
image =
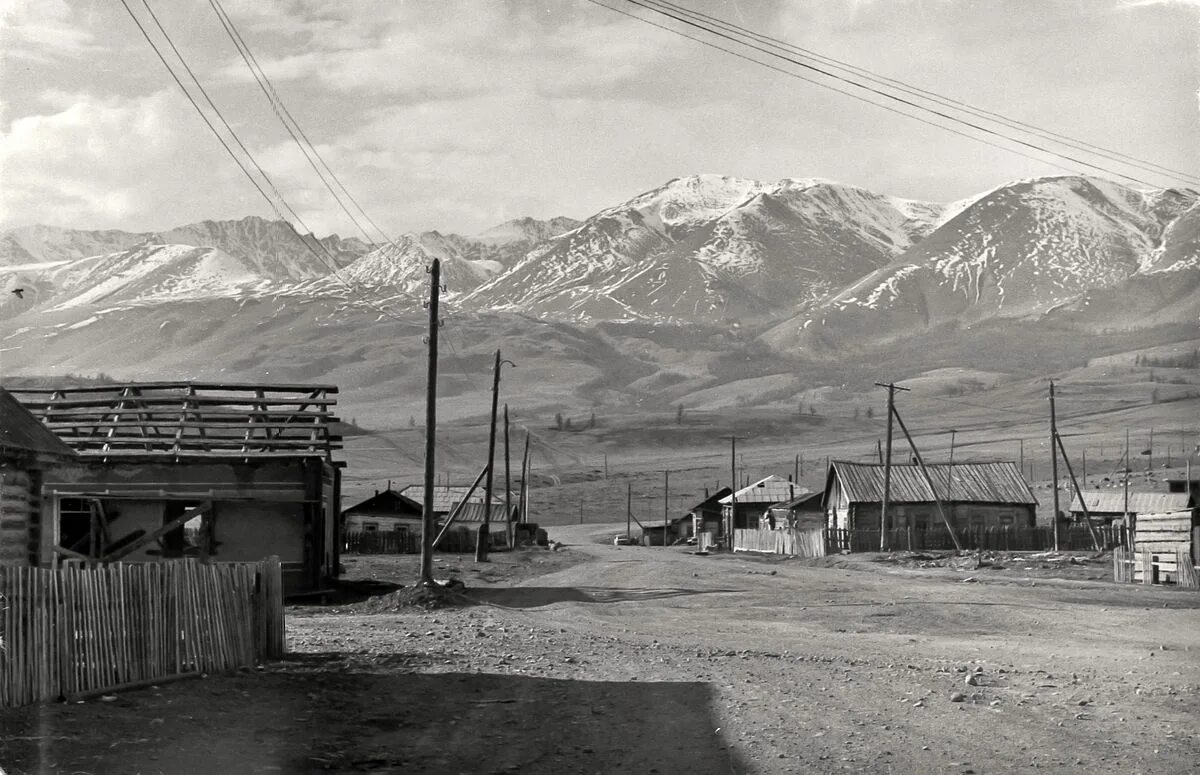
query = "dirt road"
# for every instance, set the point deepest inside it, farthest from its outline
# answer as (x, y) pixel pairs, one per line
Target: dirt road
(650, 660)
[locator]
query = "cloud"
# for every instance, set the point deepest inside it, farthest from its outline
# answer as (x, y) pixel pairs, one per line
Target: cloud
(40, 30)
(109, 161)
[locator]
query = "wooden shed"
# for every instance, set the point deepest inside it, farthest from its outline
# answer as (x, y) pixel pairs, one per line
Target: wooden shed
(742, 509)
(1112, 506)
(1164, 549)
(174, 469)
(801, 512)
(27, 449)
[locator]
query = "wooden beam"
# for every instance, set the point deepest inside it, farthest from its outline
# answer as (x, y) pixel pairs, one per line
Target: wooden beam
(457, 509)
(157, 534)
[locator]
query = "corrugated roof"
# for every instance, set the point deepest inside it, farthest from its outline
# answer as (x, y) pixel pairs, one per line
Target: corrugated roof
(1139, 502)
(960, 483)
(21, 431)
(770, 489)
(446, 497)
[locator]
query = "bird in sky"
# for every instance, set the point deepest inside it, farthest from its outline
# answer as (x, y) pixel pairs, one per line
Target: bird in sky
(20, 292)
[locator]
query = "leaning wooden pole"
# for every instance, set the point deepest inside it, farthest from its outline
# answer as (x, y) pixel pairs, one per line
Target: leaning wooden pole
(1079, 494)
(887, 466)
(459, 507)
(427, 517)
(928, 480)
(524, 504)
(482, 538)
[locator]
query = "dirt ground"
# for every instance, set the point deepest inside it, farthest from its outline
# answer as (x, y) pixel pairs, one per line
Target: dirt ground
(604, 659)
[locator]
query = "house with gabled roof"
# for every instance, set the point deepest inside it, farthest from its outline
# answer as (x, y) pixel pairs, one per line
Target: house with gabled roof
(974, 495)
(162, 470)
(743, 509)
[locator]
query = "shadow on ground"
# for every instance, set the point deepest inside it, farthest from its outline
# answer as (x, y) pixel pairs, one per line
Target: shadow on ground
(314, 715)
(535, 597)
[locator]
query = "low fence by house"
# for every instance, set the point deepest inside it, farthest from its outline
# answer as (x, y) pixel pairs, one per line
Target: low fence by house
(76, 631)
(457, 540)
(793, 543)
(1072, 539)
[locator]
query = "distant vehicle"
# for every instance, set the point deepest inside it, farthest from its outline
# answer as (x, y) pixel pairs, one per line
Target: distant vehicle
(623, 540)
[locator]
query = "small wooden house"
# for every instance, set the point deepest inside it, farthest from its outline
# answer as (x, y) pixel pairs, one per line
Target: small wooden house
(27, 449)
(174, 469)
(383, 512)
(706, 515)
(742, 510)
(801, 512)
(974, 495)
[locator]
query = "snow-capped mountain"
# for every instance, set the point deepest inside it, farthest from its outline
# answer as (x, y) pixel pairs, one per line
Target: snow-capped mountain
(1022, 251)
(710, 247)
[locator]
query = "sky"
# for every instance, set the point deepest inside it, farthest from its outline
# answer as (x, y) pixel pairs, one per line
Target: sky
(457, 115)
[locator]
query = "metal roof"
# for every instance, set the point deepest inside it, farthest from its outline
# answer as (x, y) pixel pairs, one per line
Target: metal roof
(959, 483)
(1139, 502)
(473, 512)
(446, 497)
(21, 431)
(770, 489)
(799, 500)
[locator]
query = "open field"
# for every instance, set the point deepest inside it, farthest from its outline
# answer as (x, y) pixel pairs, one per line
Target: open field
(602, 659)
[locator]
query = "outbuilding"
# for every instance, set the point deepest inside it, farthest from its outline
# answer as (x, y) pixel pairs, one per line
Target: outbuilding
(744, 508)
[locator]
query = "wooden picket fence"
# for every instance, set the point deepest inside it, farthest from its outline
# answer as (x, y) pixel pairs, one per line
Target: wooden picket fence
(76, 631)
(458, 540)
(1146, 567)
(790, 542)
(1073, 538)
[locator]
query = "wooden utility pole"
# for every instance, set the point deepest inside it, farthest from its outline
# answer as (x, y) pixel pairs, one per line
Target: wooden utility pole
(483, 539)
(508, 524)
(733, 478)
(887, 465)
(879, 450)
(950, 468)
(1021, 465)
(1150, 453)
(928, 480)
(666, 503)
(427, 518)
(628, 510)
(1054, 462)
(796, 469)
(606, 466)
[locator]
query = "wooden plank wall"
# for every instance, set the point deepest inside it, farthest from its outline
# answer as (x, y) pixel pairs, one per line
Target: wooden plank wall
(77, 631)
(18, 510)
(1162, 541)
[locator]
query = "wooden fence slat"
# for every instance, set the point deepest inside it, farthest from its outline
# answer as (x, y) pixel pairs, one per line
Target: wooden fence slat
(75, 630)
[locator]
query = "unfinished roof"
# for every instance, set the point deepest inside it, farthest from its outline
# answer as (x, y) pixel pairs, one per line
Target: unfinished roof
(176, 420)
(1139, 502)
(473, 512)
(771, 489)
(21, 432)
(959, 483)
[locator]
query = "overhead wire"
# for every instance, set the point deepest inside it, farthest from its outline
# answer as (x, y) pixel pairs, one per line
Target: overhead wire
(950, 102)
(328, 260)
(869, 89)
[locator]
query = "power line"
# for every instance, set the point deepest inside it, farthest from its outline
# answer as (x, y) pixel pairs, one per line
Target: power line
(291, 125)
(330, 263)
(864, 87)
(1081, 145)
